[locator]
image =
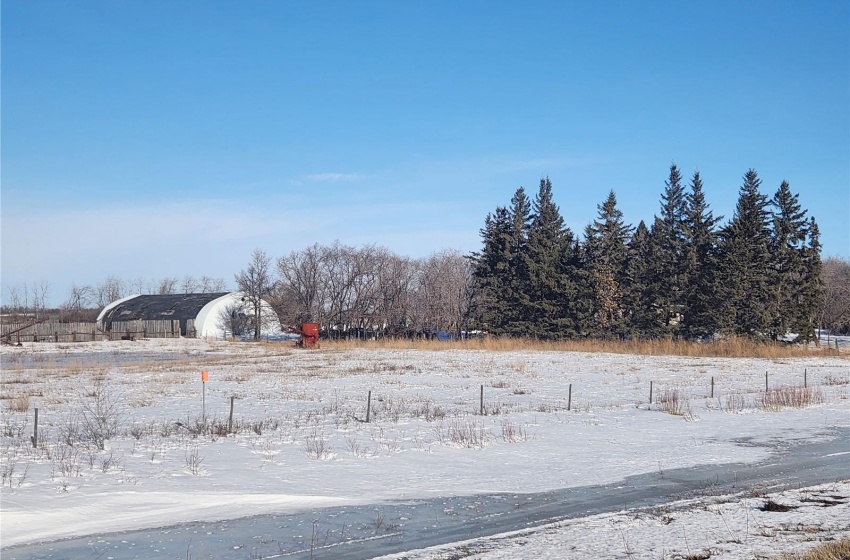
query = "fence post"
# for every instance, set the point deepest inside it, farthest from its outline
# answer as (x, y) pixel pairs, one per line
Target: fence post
(650, 392)
(712, 386)
(805, 380)
(230, 418)
(204, 378)
(765, 382)
(368, 405)
(569, 397)
(35, 430)
(482, 400)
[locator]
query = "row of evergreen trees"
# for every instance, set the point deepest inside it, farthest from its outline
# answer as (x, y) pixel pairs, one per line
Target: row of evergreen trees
(684, 275)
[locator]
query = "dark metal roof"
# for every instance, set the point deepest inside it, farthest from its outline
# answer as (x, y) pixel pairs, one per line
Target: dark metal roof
(160, 307)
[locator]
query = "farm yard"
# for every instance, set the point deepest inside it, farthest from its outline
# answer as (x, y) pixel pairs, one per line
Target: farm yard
(130, 438)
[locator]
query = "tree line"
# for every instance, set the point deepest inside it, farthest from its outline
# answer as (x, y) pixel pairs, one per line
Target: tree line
(683, 275)
(84, 301)
(365, 291)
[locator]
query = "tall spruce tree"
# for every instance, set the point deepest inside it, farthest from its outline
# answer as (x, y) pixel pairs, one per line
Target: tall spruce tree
(492, 270)
(701, 299)
(790, 230)
(501, 270)
(642, 307)
(606, 256)
(668, 235)
(813, 292)
(517, 298)
(550, 261)
(746, 264)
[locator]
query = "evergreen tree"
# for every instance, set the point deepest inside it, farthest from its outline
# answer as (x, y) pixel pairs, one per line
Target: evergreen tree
(746, 263)
(642, 307)
(605, 248)
(491, 269)
(812, 293)
(550, 262)
(790, 229)
(500, 268)
(700, 289)
(517, 299)
(668, 234)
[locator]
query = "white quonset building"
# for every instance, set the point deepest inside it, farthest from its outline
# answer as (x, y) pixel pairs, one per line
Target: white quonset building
(208, 315)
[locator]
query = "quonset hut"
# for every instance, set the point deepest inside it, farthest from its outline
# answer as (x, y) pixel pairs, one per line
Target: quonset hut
(208, 315)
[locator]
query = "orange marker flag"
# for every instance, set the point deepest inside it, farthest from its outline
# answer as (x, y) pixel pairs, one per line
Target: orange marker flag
(205, 376)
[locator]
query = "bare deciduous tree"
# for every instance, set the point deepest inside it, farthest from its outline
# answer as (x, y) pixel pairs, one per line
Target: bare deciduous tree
(41, 291)
(395, 282)
(212, 285)
(109, 290)
(297, 294)
(443, 293)
(233, 320)
(369, 291)
(78, 306)
(256, 282)
(188, 285)
(79, 297)
(835, 313)
(139, 286)
(363, 309)
(167, 285)
(13, 304)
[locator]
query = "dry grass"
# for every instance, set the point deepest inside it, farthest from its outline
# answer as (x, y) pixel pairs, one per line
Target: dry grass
(778, 398)
(734, 403)
(729, 348)
(463, 433)
(511, 433)
(676, 403)
(16, 380)
(21, 403)
(835, 550)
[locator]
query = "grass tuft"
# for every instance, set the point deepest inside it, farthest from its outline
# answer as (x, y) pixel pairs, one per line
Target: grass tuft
(673, 402)
(778, 398)
(21, 403)
(770, 505)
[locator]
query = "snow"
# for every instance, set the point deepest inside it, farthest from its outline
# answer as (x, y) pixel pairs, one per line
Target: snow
(717, 527)
(301, 441)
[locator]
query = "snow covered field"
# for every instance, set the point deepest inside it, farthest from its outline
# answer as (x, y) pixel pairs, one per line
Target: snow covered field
(552, 420)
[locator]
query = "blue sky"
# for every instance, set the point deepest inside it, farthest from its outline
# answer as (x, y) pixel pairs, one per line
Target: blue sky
(166, 138)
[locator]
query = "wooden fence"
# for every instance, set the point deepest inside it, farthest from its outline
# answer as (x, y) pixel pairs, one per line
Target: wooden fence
(51, 331)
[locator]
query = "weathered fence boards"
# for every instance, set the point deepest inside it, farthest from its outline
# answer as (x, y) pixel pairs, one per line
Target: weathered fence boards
(147, 329)
(52, 332)
(86, 332)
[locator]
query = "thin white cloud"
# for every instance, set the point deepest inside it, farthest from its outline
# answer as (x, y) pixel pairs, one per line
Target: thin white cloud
(207, 237)
(335, 177)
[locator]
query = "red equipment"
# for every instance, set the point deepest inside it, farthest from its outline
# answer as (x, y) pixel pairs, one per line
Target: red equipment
(309, 335)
